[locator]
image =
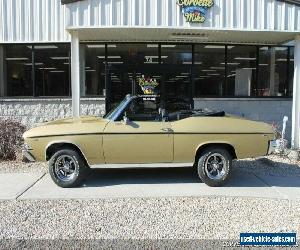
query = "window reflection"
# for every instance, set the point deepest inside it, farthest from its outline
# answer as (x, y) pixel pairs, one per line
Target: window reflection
(18, 77)
(216, 70)
(127, 64)
(177, 63)
(93, 69)
(209, 70)
(241, 70)
(52, 66)
(291, 72)
(273, 71)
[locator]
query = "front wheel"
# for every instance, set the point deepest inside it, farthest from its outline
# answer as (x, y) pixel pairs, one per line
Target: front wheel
(67, 168)
(214, 166)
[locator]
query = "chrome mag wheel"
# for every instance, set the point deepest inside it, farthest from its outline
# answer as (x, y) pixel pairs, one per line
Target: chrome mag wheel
(65, 167)
(215, 166)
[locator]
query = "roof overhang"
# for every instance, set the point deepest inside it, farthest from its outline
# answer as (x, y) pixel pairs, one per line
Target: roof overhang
(194, 35)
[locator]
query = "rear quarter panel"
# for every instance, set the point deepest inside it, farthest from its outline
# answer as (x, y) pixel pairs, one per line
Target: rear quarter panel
(248, 138)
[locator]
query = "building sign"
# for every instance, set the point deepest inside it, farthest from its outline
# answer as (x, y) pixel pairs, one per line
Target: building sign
(148, 85)
(195, 10)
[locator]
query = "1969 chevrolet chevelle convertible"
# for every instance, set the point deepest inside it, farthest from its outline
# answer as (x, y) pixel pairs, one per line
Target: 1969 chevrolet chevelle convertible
(138, 133)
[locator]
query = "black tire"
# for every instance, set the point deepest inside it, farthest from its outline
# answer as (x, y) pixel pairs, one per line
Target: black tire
(207, 167)
(75, 163)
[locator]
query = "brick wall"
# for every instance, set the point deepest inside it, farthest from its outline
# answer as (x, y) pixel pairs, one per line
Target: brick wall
(33, 111)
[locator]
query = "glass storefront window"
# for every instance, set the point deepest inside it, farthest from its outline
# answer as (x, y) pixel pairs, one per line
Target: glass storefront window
(176, 61)
(241, 70)
(127, 64)
(209, 70)
(18, 65)
(214, 70)
(273, 71)
(291, 72)
(93, 69)
(52, 67)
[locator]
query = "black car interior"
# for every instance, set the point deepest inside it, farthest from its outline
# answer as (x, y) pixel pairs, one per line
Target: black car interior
(143, 109)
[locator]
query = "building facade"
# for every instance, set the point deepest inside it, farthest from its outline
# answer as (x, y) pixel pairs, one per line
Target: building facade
(63, 58)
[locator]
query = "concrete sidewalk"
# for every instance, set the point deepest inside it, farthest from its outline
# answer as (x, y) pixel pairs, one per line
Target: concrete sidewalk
(123, 183)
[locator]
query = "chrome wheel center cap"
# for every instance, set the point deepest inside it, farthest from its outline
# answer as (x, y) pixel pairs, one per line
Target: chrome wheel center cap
(67, 166)
(215, 166)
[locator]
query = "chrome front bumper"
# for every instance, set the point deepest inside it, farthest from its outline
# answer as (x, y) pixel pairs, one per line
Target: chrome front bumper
(272, 147)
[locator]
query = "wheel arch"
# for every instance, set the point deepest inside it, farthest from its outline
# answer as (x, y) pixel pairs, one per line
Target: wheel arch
(226, 145)
(57, 145)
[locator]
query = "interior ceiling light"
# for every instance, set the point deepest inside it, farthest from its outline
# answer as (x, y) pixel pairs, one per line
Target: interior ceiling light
(264, 48)
(47, 68)
(231, 63)
(281, 48)
(30, 64)
(57, 71)
(209, 70)
(43, 47)
(152, 45)
(276, 48)
(168, 46)
(156, 57)
(60, 58)
(95, 46)
(115, 62)
(284, 60)
(109, 57)
(217, 47)
(246, 58)
(99, 46)
(16, 59)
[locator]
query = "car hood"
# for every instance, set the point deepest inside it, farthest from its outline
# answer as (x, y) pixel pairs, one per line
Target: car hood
(68, 126)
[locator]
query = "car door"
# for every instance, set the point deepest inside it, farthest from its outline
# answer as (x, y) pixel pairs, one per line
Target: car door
(143, 139)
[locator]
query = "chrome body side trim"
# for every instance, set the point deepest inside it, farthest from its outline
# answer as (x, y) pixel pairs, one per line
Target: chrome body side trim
(147, 165)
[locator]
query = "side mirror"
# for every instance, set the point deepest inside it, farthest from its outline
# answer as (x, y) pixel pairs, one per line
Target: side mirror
(125, 119)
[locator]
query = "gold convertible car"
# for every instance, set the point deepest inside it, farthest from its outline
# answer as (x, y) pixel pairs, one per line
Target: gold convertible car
(139, 133)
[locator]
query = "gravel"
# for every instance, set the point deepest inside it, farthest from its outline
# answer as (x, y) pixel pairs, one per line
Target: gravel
(22, 167)
(216, 218)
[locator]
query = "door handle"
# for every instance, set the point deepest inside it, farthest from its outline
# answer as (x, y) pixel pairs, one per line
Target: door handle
(167, 129)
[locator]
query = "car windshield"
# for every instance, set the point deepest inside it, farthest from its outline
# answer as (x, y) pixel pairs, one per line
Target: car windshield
(113, 112)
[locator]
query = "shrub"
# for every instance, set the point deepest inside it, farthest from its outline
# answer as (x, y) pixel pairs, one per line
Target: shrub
(10, 139)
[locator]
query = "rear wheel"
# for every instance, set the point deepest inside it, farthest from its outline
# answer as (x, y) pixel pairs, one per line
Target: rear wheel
(214, 166)
(67, 168)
